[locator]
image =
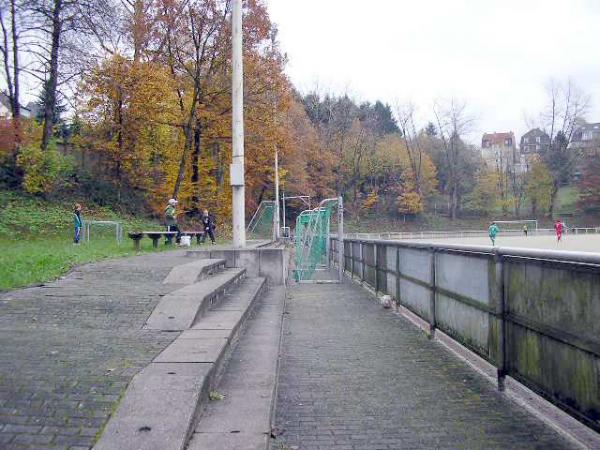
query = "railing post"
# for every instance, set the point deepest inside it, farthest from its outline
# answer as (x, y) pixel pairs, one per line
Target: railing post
(351, 248)
(398, 275)
(501, 315)
(362, 262)
(376, 264)
(432, 324)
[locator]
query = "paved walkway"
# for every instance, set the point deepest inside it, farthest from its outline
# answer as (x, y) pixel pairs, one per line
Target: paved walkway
(69, 349)
(354, 376)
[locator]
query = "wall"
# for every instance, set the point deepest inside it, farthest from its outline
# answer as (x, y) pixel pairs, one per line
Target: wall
(534, 314)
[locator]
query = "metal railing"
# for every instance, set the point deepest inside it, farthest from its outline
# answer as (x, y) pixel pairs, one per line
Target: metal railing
(534, 314)
(463, 233)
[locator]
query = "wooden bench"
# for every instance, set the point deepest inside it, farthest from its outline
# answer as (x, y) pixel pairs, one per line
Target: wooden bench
(137, 236)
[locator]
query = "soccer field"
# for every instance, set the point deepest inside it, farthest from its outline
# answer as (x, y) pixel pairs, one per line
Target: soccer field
(573, 243)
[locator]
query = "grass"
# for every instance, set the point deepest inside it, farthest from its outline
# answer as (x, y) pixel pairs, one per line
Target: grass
(25, 262)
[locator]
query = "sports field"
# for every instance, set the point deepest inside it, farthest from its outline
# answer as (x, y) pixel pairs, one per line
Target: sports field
(574, 243)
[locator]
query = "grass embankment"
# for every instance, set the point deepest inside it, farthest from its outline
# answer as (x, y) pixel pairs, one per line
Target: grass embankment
(36, 239)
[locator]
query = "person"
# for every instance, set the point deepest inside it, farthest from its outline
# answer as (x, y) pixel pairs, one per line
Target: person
(493, 232)
(525, 230)
(208, 225)
(171, 221)
(78, 222)
(558, 228)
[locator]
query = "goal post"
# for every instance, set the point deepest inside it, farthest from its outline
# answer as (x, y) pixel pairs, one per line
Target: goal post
(517, 225)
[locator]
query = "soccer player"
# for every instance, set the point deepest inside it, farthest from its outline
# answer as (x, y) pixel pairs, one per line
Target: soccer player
(493, 232)
(558, 228)
(525, 230)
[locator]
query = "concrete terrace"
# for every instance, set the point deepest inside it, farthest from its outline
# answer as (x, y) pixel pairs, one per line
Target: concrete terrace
(351, 374)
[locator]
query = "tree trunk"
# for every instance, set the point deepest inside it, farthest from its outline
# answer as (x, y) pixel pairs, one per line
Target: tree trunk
(51, 85)
(189, 136)
(195, 179)
(553, 198)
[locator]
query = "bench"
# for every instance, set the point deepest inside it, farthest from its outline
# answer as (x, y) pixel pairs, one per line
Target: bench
(137, 236)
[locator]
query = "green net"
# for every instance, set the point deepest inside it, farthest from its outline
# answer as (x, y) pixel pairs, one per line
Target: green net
(312, 233)
(261, 224)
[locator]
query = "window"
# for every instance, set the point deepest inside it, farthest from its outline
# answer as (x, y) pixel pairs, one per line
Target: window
(587, 136)
(538, 139)
(508, 142)
(526, 140)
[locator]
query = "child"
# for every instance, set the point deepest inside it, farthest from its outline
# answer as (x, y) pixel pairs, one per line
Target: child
(492, 232)
(78, 222)
(208, 225)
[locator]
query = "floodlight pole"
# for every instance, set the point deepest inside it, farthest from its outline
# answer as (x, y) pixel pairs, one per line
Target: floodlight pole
(237, 100)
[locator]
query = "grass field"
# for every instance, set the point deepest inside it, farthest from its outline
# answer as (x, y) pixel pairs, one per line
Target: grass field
(24, 262)
(578, 243)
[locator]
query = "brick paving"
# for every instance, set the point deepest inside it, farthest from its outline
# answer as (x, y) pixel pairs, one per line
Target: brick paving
(68, 349)
(354, 376)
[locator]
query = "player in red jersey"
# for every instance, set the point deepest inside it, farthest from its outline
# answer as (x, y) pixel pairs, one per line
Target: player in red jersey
(558, 228)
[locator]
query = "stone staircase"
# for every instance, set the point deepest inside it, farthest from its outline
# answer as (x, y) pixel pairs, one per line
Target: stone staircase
(161, 406)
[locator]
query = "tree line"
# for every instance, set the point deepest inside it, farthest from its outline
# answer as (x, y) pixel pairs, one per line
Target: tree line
(146, 84)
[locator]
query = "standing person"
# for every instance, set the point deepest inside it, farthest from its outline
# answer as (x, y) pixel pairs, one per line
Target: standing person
(171, 221)
(525, 230)
(558, 228)
(78, 222)
(208, 225)
(493, 232)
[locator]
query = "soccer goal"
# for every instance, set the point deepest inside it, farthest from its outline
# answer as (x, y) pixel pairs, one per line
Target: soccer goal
(517, 225)
(99, 225)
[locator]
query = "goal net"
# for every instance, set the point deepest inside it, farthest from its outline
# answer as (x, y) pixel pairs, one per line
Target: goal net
(517, 225)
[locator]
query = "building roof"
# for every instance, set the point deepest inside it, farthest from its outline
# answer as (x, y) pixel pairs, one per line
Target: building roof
(535, 131)
(590, 127)
(498, 138)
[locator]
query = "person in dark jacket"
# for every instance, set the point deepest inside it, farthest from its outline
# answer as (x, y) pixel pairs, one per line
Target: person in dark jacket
(78, 222)
(208, 226)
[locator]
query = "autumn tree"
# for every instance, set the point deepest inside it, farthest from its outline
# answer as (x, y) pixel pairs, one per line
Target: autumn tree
(539, 185)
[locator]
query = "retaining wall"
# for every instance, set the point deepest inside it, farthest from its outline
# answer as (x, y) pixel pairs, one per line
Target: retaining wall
(534, 314)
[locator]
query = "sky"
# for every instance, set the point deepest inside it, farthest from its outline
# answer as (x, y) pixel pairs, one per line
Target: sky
(498, 56)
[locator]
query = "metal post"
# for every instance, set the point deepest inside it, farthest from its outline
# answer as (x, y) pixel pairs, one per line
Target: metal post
(376, 263)
(340, 241)
(283, 202)
(501, 309)
(276, 211)
(432, 323)
(237, 100)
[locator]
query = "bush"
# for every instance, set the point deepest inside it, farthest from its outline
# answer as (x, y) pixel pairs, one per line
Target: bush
(44, 171)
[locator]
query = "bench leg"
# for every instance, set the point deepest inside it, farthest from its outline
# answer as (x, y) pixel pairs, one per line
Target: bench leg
(155, 242)
(136, 245)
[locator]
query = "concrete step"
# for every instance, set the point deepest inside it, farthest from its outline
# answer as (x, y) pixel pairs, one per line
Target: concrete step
(180, 309)
(242, 420)
(162, 403)
(191, 272)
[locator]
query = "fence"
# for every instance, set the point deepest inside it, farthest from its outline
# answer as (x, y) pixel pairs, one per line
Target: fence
(533, 314)
(463, 233)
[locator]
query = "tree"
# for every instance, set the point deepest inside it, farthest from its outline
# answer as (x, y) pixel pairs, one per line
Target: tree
(453, 122)
(484, 198)
(589, 184)
(565, 109)
(539, 185)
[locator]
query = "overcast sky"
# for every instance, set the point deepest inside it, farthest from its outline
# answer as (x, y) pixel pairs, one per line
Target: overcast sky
(497, 55)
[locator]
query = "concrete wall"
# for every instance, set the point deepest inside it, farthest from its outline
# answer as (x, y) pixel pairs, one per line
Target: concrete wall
(270, 263)
(534, 314)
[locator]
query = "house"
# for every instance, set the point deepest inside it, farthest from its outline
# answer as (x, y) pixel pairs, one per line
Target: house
(6, 111)
(534, 141)
(499, 151)
(586, 137)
